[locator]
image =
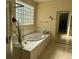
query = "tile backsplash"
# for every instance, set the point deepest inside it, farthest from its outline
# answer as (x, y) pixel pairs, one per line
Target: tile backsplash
(28, 29)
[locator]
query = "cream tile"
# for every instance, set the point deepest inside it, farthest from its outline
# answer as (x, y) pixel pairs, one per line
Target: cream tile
(57, 51)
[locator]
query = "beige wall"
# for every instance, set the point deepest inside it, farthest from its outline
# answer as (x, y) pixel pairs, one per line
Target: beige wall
(46, 9)
(10, 12)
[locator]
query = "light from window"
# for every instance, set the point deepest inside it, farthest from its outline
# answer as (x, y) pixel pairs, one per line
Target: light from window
(25, 15)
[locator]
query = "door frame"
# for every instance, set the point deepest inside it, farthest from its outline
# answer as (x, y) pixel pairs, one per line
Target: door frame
(57, 20)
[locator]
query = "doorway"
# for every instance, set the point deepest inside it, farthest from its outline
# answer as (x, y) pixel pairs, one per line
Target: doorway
(62, 22)
(63, 18)
(62, 27)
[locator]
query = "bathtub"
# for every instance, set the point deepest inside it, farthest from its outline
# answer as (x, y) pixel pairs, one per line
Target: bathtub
(33, 45)
(34, 36)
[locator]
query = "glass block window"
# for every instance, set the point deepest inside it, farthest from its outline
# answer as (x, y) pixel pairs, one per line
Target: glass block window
(25, 15)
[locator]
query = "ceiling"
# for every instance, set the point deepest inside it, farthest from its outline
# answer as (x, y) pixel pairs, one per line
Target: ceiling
(42, 0)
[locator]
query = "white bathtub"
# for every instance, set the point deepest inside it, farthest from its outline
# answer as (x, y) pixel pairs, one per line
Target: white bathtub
(34, 36)
(35, 44)
(33, 40)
